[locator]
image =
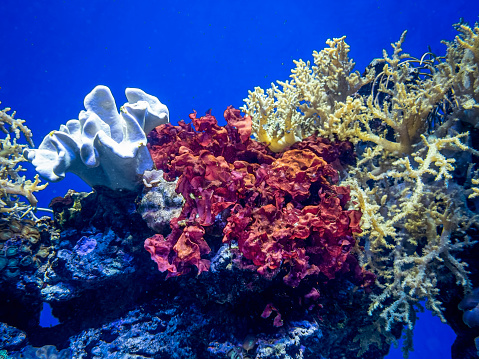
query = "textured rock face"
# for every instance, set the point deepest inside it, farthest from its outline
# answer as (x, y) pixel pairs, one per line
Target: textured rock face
(112, 302)
(160, 202)
(102, 147)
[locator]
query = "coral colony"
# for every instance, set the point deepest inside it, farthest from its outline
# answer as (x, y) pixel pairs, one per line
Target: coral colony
(12, 183)
(314, 224)
(282, 211)
(102, 147)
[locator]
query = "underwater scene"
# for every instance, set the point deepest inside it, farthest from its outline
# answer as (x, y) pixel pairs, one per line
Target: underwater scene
(239, 180)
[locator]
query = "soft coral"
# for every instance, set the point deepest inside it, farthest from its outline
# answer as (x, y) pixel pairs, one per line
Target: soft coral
(282, 209)
(293, 229)
(181, 249)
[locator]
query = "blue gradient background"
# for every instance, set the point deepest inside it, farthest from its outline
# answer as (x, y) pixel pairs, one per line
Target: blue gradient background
(197, 55)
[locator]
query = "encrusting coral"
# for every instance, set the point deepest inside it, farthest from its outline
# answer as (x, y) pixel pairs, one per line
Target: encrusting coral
(159, 203)
(102, 147)
(13, 186)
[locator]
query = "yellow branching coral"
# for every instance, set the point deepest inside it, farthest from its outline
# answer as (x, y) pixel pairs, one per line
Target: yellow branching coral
(312, 102)
(462, 67)
(475, 190)
(14, 125)
(412, 211)
(410, 102)
(12, 185)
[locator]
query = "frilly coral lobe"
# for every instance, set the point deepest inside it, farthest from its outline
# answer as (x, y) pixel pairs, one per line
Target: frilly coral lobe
(183, 247)
(282, 209)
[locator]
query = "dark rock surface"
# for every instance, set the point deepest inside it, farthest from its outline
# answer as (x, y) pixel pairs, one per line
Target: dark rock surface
(112, 302)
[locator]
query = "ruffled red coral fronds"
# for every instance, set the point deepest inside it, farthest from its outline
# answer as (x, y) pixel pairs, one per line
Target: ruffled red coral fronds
(302, 225)
(214, 167)
(283, 209)
(180, 250)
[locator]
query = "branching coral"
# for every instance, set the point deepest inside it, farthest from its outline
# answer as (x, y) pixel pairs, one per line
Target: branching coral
(410, 102)
(414, 207)
(12, 184)
(314, 101)
(462, 67)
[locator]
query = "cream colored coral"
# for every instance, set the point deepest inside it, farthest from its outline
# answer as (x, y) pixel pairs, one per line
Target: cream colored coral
(405, 205)
(411, 279)
(413, 199)
(15, 125)
(313, 101)
(462, 68)
(22, 187)
(410, 102)
(13, 186)
(469, 40)
(475, 190)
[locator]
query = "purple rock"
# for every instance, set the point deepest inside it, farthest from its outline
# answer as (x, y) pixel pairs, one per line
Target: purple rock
(85, 245)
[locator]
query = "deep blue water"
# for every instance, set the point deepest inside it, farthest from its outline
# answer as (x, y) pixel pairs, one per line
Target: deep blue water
(197, 55)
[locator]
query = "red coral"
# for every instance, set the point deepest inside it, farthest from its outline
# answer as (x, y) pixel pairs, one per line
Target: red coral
(181, 249)
(283, 210)
(213, 167)
(268, 310)
(244, 125)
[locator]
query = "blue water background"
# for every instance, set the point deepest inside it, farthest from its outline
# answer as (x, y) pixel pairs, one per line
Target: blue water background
(197, 56)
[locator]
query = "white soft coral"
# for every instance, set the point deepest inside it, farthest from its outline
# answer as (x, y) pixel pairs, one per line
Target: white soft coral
(102, 147)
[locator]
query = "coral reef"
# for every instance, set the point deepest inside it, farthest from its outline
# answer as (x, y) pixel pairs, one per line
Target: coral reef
(97, 245)
(87, 281)
(408, 120)
(321, 240)
(102, 147)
